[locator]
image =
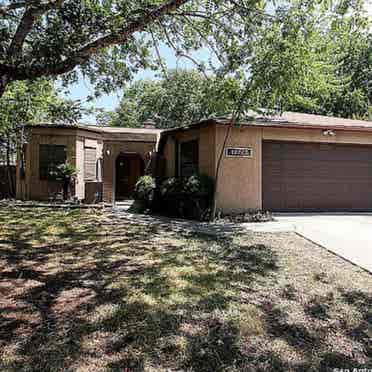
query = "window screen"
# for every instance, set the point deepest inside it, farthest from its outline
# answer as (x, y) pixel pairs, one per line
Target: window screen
(50, 157)
(90, 164)
(188, 158)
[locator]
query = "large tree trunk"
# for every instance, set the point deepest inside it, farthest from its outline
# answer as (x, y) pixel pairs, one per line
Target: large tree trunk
(9, 166)
(4, 81)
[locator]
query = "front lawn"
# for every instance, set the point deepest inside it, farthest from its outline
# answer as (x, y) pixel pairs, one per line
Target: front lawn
(81, 291)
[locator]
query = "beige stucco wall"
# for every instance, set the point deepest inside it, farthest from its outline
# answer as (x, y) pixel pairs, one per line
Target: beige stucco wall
(75, 141)
(37, 189)
(239, 186)
(240, 178)
(111, 150)
(207, 139)
(170, 157)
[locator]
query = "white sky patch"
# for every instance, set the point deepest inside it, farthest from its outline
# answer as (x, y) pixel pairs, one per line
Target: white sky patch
(369, 7)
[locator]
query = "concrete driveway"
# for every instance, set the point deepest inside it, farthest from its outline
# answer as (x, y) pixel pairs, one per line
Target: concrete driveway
(347, 235)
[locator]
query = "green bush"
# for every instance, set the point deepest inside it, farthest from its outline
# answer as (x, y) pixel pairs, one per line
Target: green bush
(145, 190)
(188, 197)
(66, 173)
(198, 184)
(195, 184)
(170, 186)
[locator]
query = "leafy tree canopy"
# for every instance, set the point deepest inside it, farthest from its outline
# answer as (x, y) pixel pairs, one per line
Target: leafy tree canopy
(29, 103)
(339, 80)
(180, 98)
(35, 102)
(110, 40)
(316, 64)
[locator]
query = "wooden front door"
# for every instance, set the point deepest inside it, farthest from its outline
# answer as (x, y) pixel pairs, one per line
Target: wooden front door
(128, 170)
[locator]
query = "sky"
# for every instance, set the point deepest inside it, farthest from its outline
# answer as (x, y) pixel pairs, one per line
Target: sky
(81, 90)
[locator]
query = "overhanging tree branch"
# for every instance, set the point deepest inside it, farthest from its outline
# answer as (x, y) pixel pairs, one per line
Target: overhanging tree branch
(82, 55)
(183, 55)
(6, 9)
(156, 46)
(30, 16)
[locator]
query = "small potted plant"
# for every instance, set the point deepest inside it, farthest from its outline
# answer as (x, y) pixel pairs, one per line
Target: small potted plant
(66, 173)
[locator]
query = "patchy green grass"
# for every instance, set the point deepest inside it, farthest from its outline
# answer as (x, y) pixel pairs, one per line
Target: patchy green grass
(81, 291)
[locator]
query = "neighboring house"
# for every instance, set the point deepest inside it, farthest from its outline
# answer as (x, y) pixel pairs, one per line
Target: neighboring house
(293, 162)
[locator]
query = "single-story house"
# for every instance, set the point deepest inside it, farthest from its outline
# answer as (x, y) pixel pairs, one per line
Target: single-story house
(109, 160)
(291, 162)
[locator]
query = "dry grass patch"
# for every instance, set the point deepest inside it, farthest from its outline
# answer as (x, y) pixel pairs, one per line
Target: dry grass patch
(80, 291)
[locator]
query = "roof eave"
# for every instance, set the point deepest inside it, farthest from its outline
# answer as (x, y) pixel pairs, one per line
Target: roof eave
(62, 126)
(309, 126)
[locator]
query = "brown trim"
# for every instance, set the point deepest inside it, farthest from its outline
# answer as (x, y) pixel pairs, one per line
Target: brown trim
(268, 124)
(190, 126)
(306, 126)
(206, 122)
(62, 126)
(108, 137)
(128, 140)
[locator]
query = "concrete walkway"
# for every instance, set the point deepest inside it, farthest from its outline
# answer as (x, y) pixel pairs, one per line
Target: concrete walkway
(347, 235)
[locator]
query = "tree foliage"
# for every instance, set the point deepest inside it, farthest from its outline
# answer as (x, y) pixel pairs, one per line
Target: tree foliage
(339, 82)
(318, 61)
(111, 39)
(312, 55)
(30, 103)
(35, 102)
(303, 58)
(181, 98)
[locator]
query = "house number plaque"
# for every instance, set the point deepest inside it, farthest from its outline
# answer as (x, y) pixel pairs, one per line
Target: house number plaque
(239, 152)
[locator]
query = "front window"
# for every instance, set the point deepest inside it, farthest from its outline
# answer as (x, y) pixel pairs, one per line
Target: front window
(90, 166)
(50, 157)
(188, 158)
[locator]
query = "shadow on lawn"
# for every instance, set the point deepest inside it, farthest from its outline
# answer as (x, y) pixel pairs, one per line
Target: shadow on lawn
(111, 274)
(139, 297)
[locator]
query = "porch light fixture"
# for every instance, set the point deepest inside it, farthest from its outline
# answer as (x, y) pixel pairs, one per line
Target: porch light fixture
(108, 152)
(329, 132)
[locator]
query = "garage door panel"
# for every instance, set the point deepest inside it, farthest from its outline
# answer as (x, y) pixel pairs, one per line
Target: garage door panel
(314, 176)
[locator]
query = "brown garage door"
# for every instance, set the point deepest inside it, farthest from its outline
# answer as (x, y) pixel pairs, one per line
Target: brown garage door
(314, 176)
